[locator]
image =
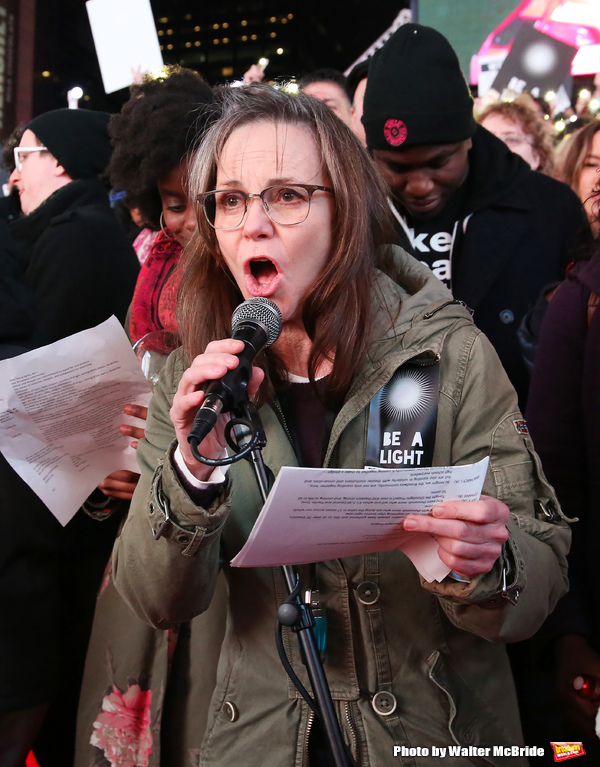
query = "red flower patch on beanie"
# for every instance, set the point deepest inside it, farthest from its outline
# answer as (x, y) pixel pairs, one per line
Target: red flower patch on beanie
(395, 132)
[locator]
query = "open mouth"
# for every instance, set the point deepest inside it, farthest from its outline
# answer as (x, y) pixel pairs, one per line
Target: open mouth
(262, 276)
(263, 271)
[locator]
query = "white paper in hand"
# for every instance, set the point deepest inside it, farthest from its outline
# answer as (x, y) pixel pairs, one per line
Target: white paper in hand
(60, 410)
(313, 515)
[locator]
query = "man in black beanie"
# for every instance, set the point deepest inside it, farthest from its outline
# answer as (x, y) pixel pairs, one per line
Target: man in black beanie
(494, 231)
(76, 258)
(74, 252)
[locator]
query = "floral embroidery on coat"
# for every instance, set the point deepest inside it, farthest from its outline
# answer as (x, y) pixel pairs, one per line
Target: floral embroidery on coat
(123, 728)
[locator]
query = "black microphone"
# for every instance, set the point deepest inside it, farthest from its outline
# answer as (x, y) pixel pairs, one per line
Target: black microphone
(257, 322)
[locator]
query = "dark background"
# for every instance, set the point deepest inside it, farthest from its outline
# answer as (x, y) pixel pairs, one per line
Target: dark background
(319, 33)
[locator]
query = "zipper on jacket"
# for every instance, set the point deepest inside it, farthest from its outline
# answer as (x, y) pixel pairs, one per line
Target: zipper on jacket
(351, 727)
(352, 730)
(277, 409)
(279, 413)
(309, 724)
(429, 315)
(426, 362)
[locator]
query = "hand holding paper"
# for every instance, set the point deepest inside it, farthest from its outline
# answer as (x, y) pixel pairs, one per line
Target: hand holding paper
(470, 535)
(316, 514)
(121, 483)
(128, 429)
(60, 410)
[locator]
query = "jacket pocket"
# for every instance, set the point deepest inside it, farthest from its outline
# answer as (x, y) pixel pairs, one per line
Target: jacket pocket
(226, 673)
(471, 720)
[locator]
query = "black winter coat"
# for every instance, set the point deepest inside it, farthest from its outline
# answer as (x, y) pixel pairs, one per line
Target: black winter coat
(77, 259)
(564, 420)
(516, 234)
(79, 269)
(28, 546)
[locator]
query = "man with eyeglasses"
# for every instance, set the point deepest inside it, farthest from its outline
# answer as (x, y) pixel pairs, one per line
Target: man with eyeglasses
(76, 255)
(77, 260)
(490, 228)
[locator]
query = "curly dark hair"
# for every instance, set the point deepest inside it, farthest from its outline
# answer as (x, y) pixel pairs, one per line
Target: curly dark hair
(8, 157)
(153, 132)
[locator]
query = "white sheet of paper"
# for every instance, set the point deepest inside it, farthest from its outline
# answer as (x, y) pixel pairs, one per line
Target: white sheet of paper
(126, 41)
(60, 410)
(316, 514)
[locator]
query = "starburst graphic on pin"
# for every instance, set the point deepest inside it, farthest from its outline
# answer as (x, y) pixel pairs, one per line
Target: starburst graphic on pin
(408, 394)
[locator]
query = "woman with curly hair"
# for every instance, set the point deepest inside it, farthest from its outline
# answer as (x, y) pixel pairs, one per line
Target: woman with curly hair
(132, 687)
(151, 137)
(523, 131)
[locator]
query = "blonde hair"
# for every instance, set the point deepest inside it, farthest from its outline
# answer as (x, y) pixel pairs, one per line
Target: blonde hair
(532, 126)
(572, 152)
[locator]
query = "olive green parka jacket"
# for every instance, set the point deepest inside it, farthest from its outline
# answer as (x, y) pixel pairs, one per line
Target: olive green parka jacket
(416, 664)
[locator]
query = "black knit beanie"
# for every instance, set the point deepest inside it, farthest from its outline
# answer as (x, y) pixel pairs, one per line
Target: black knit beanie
(77, 138)
(416, 93)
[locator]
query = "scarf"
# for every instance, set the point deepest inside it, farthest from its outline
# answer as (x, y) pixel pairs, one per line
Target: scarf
(154, 299)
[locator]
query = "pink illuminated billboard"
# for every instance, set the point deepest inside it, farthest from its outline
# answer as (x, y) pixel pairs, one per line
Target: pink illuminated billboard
(572, 23)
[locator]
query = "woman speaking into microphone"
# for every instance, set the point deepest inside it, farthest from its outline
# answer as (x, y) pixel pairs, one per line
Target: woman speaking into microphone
(291, 208)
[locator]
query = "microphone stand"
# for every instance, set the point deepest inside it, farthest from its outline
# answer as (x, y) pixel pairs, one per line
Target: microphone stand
(250, 438)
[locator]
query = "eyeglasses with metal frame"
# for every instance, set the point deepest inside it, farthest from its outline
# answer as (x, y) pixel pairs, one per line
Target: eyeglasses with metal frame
(284, 204)
(515, 139)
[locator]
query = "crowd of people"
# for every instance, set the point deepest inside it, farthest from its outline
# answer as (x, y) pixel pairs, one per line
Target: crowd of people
(397, 227)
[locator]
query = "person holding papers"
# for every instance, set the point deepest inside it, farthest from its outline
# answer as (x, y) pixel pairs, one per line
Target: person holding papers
(291, 208)
(75, 253)
(152, 137)
(78, 263)
(28, 560)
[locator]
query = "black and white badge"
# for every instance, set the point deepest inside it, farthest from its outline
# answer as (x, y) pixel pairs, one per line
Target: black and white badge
(402, 419)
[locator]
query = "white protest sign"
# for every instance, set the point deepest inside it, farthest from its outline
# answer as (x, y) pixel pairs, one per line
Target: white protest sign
(126, 40)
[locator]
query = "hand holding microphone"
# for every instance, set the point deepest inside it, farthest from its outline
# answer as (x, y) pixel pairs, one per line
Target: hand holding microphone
(220, 379)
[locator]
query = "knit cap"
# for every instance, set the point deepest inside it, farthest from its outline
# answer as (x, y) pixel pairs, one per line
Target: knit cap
(416, 92)
(77, 138)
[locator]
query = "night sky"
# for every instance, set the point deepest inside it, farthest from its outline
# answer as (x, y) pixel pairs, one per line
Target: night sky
(326, 33)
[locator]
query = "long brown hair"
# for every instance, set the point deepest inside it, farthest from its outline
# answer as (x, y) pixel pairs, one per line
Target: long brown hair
(336, 310)
(572, 152)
